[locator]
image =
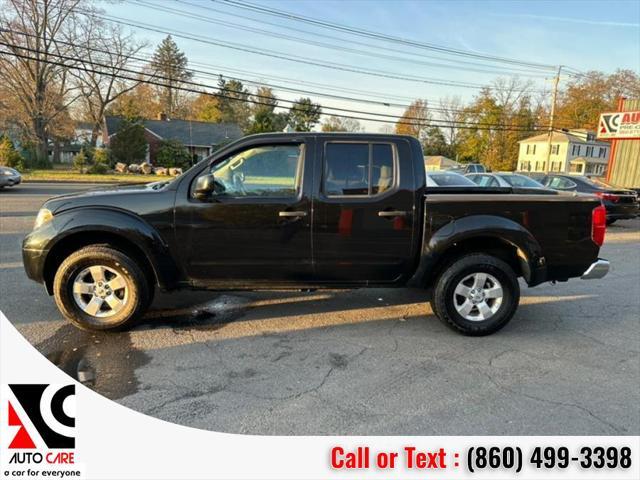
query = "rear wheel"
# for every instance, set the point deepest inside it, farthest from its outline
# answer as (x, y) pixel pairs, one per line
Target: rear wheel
(476, 295)
(100, 288)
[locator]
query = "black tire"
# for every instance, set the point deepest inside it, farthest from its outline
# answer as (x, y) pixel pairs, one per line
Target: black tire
(444, 294)
(135, 302)
(610, 221)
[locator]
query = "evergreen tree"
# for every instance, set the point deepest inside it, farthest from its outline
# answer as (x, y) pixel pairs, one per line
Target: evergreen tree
(435, 143)
(170, 65)
(128, 145)
(9, 156)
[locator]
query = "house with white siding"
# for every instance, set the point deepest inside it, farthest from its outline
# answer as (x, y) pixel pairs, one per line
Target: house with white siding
(572, 151)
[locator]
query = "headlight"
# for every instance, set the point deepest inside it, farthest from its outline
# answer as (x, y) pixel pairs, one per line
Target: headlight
(43, 217)
(7, 172)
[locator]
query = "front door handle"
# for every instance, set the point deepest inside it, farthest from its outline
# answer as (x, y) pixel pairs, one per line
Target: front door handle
(292, 214)
(392, 213)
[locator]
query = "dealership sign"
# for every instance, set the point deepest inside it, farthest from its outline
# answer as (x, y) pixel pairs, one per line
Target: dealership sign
(619, 125)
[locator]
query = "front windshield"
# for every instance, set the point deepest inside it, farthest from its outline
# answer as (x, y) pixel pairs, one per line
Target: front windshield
(521, 181)
(450, 179)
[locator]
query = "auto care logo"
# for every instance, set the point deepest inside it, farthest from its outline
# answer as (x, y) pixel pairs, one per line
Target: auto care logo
(619, 125)
(43, 415)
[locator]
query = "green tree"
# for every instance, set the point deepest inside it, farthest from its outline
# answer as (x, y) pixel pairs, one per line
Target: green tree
(339, 124)
(436, 144)
(128, 145)
(494, 122)
(169, 63)
(304, 115)
(9, 156)
(233, 103)
(265, 118)
(172, 153)
(265, 122)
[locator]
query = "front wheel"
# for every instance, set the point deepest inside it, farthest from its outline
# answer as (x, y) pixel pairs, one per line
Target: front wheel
(100, 288)
(476, 295)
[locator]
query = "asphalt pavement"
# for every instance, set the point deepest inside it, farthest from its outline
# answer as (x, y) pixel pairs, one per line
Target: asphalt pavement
(358, 362)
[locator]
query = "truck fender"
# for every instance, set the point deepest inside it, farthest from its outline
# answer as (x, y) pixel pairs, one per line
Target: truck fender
(485, 227)
(129, 227)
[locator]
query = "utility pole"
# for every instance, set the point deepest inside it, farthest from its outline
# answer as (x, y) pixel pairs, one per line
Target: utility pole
(556, 81)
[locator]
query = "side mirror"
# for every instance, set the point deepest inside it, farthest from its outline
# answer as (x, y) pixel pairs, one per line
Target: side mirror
(205, 186)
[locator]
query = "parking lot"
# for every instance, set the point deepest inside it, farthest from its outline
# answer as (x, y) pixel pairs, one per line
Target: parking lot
(353, 362)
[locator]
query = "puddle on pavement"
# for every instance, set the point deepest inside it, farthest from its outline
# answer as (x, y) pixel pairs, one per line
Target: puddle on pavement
(105, 362)
(208, 316)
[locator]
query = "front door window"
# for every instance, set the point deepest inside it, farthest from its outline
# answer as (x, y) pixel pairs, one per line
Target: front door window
(265, 171)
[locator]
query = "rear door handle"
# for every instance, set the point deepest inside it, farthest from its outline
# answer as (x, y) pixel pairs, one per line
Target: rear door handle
(392, 213)
(292, 214)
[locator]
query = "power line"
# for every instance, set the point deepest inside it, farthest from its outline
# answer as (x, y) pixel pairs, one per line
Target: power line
(287, 57)
(379, 36)
(319, 34)
(217, 75)
(281, 36)
(418, 122)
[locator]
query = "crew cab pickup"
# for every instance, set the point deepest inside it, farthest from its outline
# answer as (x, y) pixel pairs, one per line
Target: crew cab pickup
(311, 210)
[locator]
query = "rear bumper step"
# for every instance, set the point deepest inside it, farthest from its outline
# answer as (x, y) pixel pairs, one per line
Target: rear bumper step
(598, 269)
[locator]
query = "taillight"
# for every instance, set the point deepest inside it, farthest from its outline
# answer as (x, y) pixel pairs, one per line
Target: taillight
(610, 197)
(598, 224)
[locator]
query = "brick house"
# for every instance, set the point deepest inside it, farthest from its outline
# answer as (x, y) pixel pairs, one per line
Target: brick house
(200, 138)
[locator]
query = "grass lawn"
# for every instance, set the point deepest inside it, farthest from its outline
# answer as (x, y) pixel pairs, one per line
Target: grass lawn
(72, 176)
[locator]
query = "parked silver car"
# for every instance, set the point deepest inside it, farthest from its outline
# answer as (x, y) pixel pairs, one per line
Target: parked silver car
(446, 178)
(503, 179)
(9, 177)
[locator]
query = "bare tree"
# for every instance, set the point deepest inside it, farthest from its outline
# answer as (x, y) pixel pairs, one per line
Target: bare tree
(107, 54)
(450, 108)
(35, 53)
(338, 124)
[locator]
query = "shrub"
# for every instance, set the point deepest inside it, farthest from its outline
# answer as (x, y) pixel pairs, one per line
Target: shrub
(101, 155)
(98, 168)
(81, 161)
(172, 153)
(9, 156)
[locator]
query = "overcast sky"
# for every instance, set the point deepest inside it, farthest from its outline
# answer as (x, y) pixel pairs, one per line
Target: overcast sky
(585, 35)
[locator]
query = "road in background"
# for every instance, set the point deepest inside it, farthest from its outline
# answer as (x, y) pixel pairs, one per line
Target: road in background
(353, 362)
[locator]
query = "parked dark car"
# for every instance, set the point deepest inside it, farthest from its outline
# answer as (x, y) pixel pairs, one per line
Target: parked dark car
(620, 203)
(311, 210)
(9, 177)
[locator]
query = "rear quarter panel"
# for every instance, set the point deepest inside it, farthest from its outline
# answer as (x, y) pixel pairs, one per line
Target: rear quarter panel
(558, 226)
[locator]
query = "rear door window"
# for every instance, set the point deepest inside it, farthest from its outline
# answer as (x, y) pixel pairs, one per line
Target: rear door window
(562, 183)
(358, 169)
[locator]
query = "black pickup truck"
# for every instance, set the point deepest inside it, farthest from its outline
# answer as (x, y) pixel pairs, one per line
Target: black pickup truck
(311, 210)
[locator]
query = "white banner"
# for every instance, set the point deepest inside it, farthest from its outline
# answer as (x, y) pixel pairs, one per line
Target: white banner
(54, 427)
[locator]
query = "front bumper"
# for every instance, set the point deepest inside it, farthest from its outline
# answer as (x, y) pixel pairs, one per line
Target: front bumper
(598, 269)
